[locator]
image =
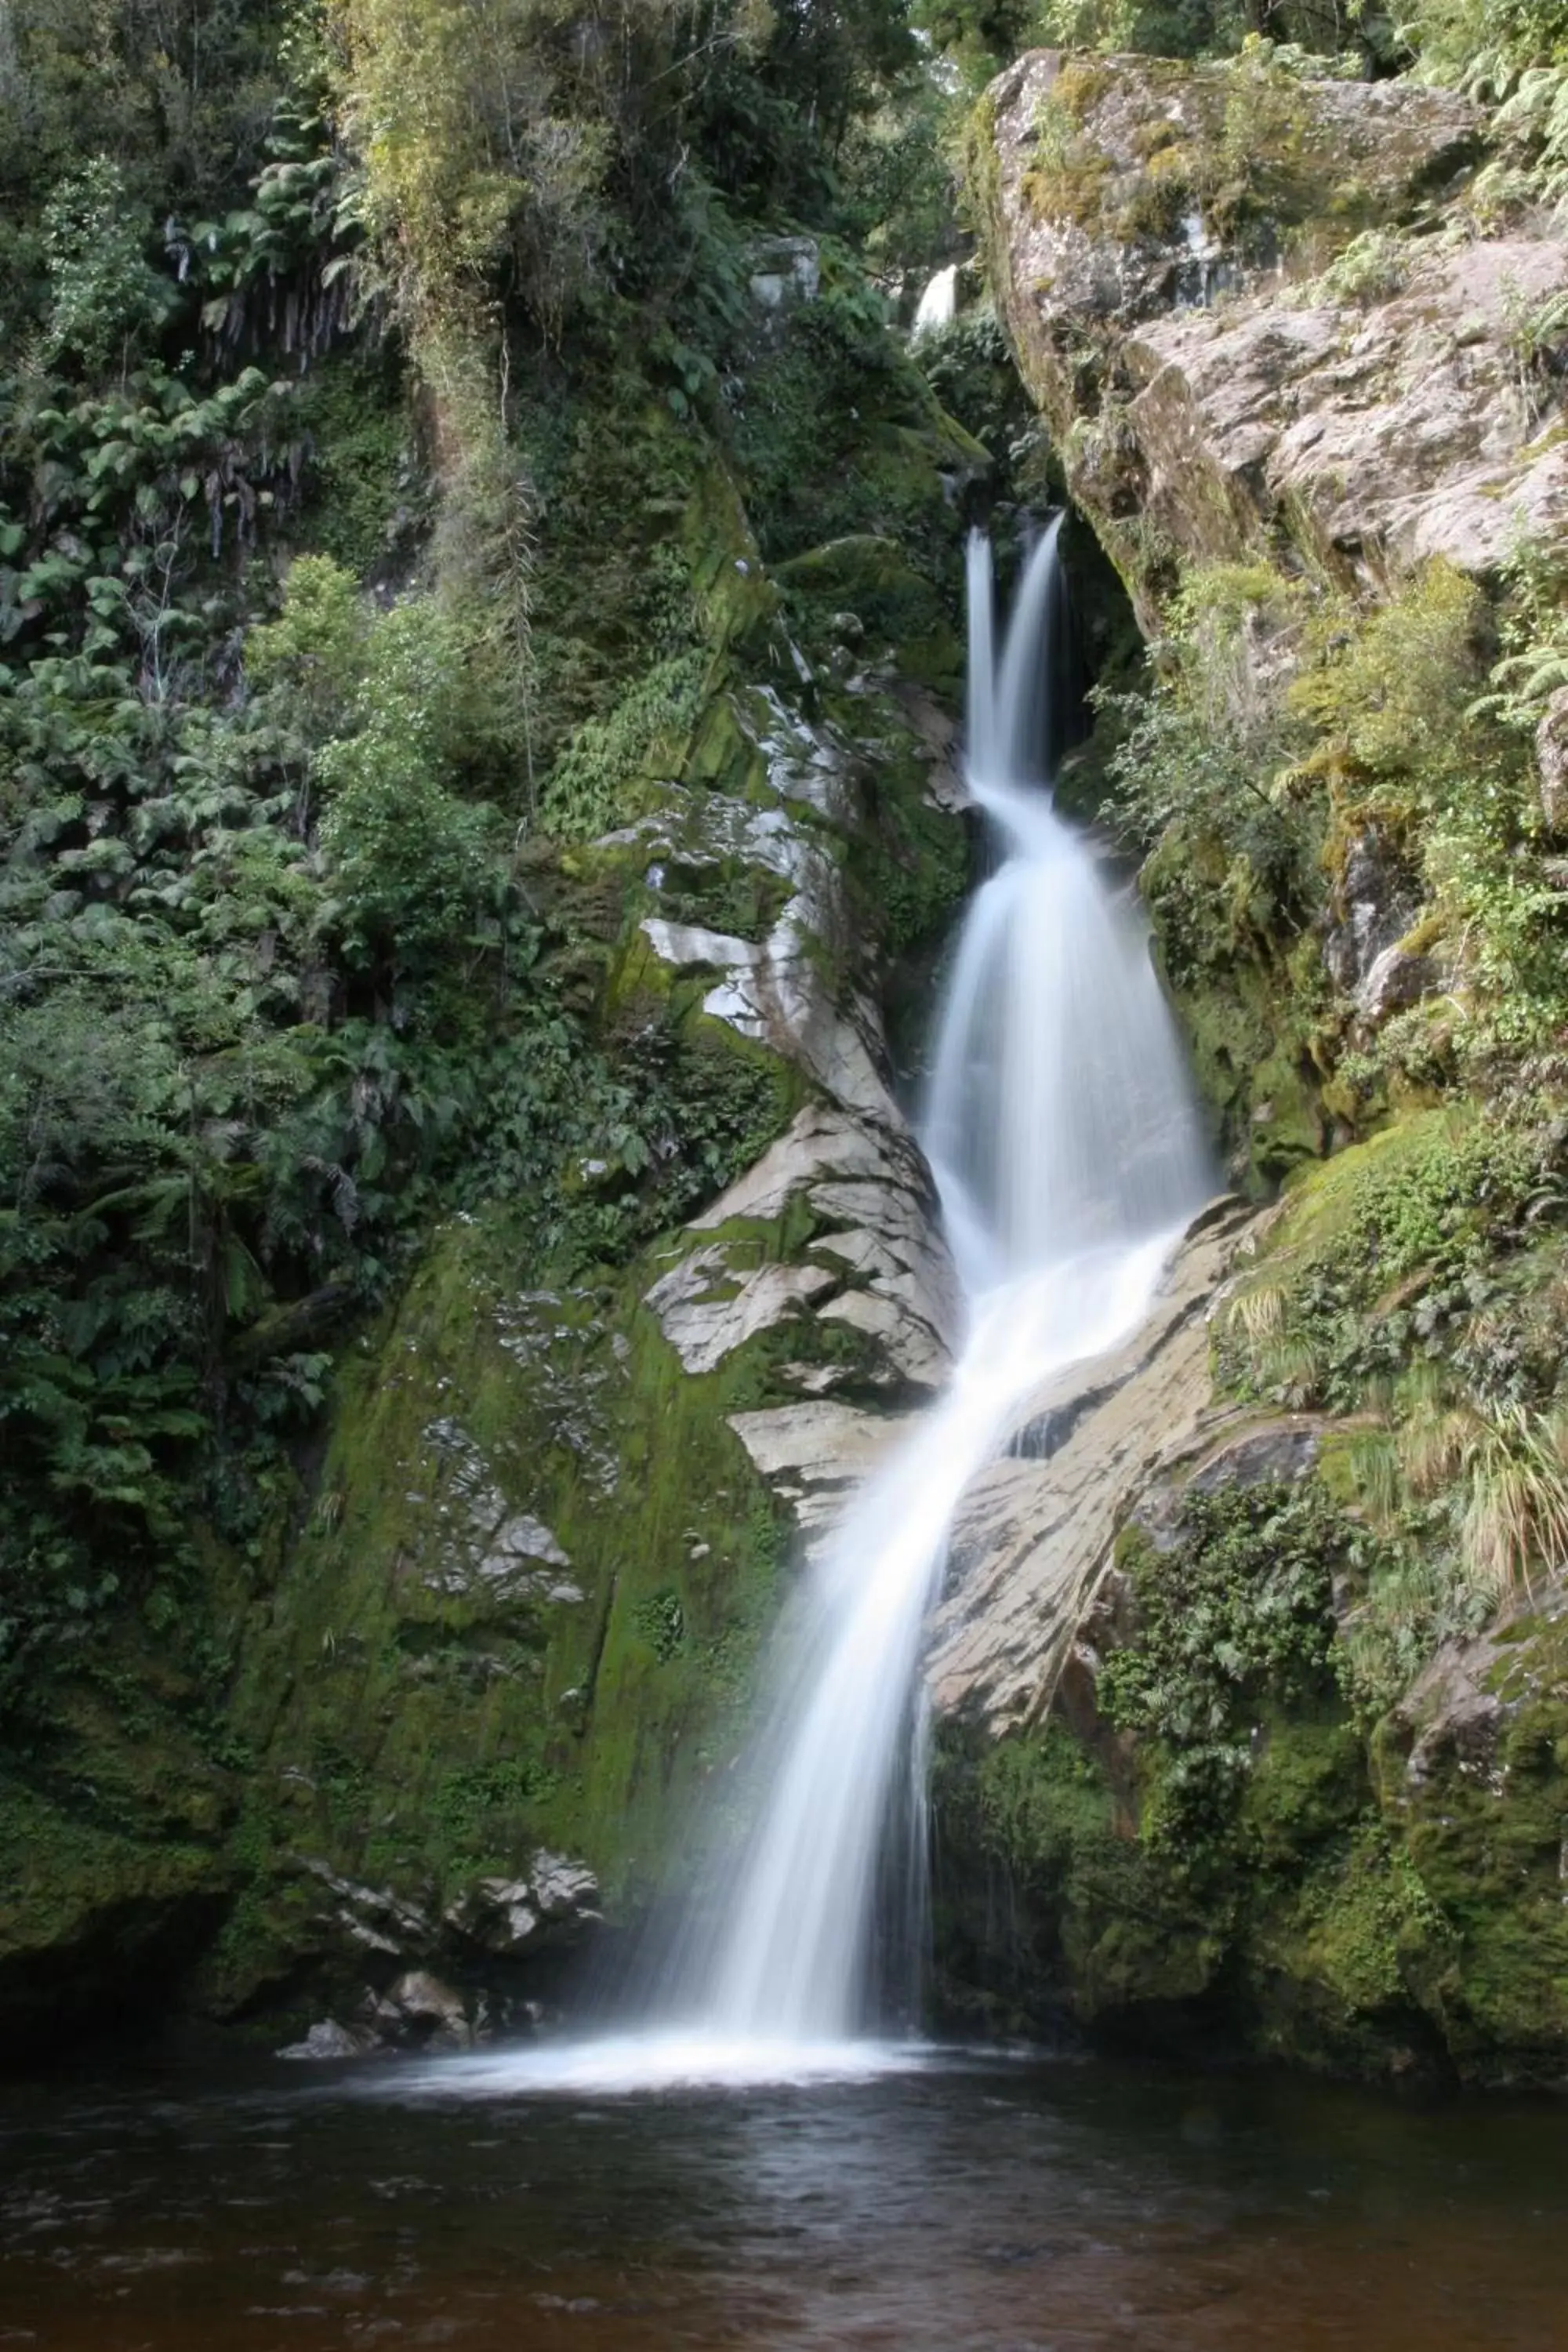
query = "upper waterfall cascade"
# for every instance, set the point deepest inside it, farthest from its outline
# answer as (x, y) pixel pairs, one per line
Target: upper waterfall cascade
(1069, 1158)
(938, 303)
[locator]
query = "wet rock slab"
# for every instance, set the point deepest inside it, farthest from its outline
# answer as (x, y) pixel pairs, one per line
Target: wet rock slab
(1035, 1530)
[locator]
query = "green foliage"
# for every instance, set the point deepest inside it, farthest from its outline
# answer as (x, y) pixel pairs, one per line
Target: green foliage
(897, 179)
(180, 101)
(317, 649)
(1382, 1255)
(593, 785)
(406, 860)
(986, 34)
(361, 498)
(659, 1620)
(970, 368)
(1237, 1619)
(1387, 688)
(1372, 268)
(1415, 1287)
(1285, 724)
(102, 295)
(1201, 775)
(1486, 40)
(391, 483)
(1533, 662)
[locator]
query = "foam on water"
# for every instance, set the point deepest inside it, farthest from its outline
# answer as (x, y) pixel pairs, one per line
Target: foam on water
(616, 2066)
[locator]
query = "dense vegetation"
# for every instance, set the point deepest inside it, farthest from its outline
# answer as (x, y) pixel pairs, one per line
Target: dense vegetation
(1300, 1782)
(358, 374)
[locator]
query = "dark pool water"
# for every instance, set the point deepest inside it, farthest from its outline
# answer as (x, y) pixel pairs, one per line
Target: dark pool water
(1006, 2205)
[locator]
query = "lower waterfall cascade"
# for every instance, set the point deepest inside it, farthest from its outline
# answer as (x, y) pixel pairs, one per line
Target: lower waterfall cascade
(1069, 1158)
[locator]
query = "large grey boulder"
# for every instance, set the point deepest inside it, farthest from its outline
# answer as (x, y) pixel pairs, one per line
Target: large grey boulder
(1159, 234)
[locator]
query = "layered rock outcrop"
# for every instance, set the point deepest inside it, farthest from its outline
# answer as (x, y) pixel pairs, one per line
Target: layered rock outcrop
(1232, 292)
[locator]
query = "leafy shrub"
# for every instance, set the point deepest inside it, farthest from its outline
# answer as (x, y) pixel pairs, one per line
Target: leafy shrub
(1235, 1618)
(102, 294)
(592, 786)
(317, 649)
(1201, 774)
(1372, 267)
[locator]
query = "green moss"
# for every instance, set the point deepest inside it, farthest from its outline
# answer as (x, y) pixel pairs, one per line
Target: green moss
(840, 436)
(1069, 175)
(88, 1907)
(1432, 1203)
(1487, 1844)
(1308, 1782)
(1234, 1617)
(419, 1721)
(870, 581)
(609, 771)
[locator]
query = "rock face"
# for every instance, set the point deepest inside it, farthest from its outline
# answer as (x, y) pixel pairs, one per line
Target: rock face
(1035, 1530)
(1552, 762)
(1187, 1791)
(1212, 399)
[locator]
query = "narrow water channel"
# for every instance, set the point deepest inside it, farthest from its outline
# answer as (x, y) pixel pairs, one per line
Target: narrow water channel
(1007, 2205)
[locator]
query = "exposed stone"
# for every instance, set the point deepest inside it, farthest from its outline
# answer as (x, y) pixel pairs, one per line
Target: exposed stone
(881, 1266)
(1398, 977)
(784, 269)
(1375, 431)
(429, 2012)
(373, 1917)
(947, 786)
(705, 1312)
(1032, 1533)
(815, 1455)
(563, 1888)
(1551, 760)
(528, 1538)
(785, 992)
(326, 2040)
(1376, 903)
(558, 1898)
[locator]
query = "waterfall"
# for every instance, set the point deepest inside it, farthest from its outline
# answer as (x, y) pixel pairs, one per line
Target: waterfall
(1067, 1153)
(1068, 1156)
(938, 302)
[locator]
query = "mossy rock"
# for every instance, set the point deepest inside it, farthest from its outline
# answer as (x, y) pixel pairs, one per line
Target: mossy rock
(97, 1924)
(524, 1611)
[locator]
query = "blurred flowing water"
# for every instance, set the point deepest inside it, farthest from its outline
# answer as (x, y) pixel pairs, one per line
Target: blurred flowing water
(1067, 1150)
(746, 2164)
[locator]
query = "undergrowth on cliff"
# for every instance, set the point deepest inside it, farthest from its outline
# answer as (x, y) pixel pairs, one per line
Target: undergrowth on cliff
(366, 389)
(1233, 1620)
(1415, 1289)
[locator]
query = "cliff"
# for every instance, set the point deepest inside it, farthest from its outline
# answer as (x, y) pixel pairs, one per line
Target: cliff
(1250, 1678)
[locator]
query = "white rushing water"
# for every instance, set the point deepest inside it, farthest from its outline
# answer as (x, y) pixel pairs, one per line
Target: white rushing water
(1068, 1155)
(938, 302)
